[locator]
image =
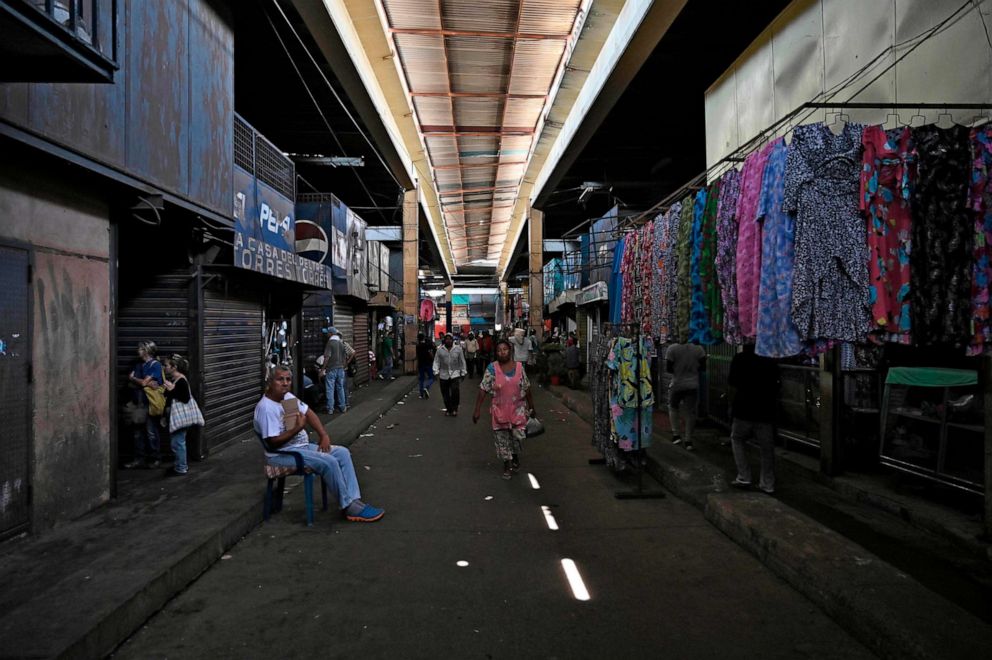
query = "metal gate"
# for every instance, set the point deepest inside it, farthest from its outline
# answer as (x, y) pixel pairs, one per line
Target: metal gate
(232, 366)
(15, 388)
(361, 345)
(156, 309)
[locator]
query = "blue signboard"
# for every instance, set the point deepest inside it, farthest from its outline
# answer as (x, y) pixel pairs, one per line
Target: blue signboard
(331, 233)
(265, 234)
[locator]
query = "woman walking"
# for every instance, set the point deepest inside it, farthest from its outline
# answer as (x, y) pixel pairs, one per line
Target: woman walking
(507, 383)
(183, 411)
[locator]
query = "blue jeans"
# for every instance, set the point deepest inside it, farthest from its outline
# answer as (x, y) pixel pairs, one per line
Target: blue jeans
(387, 367)
(179, 451)
(426, 377)
(151, 434)
(334, 382)
(335, 468)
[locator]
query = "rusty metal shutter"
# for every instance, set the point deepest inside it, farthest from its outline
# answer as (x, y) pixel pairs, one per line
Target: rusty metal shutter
(232, 366)
(361, 345)
(343, 320)
(15, 356)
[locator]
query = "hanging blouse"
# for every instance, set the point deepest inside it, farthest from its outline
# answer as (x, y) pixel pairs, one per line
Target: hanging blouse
(981, 204)
(726, 253)
(776, 333)
(943, 235)
(749, 240)
(683, 249)
(668, 303)
(830, 298)
(886, 186)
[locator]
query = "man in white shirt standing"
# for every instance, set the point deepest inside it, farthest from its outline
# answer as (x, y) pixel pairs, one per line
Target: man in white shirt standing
(449, 367)
(332, 463)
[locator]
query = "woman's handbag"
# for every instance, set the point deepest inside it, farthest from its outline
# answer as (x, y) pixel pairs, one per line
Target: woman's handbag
(534, 427)
(156, 400)
(183, 415)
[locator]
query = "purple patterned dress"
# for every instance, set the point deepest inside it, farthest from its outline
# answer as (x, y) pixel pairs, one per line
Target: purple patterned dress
(981, 205)
(749, 240)
(726, 253)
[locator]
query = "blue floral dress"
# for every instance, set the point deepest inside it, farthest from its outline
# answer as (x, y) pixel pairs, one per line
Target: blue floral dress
(627, 390)
(776, 333)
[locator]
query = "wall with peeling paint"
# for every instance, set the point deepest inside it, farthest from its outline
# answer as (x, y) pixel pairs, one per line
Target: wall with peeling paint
(68, 230)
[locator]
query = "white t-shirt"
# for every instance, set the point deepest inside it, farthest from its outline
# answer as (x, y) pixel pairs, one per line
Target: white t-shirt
(269, 424)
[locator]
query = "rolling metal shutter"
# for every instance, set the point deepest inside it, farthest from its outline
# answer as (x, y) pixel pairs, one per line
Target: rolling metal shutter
(232, 366)
(361, 345)
(343, 320)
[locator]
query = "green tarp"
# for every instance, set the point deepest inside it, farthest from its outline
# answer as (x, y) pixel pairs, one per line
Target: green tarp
(931, 377)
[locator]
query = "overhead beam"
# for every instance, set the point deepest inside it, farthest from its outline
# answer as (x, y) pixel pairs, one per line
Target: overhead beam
(527, 36)
(479, 95)
(450, 131)
(478, 165)
(465, 191)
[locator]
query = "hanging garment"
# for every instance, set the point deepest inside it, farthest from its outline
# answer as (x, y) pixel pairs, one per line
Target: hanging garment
(830, 295)
(427, 311)
(668, 267)
(704, 287)
(616, 283)
(658, 325)
(726, 253)
(599, 383)
(644, 292)
(631, 394)
(776, 333)
(683, 250)
(749, 243)
(943, 235)
(981, 204)
(886, 188)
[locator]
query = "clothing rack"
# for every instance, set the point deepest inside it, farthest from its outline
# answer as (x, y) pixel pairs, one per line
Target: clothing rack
(738, 154)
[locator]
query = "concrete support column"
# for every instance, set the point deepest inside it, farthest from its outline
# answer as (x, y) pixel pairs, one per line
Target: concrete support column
(535, 229)
(411, 284)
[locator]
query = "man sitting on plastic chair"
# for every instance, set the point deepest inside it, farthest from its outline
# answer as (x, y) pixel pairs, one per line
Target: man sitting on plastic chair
(286, 432)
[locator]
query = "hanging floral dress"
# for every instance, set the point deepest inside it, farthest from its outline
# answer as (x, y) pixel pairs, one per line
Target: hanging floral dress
(943, 235)
(886, 189)
(631, 394)
(659, 238)
(726, 253)
(683, 249)
(669, 289)
(628, 268)
(749, 240)
(646, 267)
(698, 318)
(830, 296)
(776, 333)
(981, 205)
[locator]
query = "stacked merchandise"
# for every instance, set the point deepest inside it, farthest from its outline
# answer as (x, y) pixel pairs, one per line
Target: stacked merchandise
(860, 236)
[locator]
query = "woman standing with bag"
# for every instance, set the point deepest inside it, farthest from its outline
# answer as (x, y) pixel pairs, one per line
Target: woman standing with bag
(146, 379)
(506, 381)
(183, 411)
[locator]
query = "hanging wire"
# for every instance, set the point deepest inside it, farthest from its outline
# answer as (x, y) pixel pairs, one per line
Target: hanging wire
(316, 105)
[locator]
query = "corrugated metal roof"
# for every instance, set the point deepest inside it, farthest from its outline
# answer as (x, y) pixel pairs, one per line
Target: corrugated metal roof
(480, 73)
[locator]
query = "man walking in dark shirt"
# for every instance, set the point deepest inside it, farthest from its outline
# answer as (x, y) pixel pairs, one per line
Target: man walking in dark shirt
(754, 384)
(425, 365)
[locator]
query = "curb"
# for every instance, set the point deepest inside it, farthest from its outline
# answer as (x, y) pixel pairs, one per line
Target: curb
(123, 620)
(886, 610)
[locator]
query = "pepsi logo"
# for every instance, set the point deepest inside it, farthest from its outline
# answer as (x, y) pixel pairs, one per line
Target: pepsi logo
(311, 241)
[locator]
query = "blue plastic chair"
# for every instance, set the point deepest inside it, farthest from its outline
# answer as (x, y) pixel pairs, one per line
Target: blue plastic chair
(273, 501)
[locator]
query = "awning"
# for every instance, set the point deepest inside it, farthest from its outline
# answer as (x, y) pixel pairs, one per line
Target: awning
(385, 299)
(566, 297)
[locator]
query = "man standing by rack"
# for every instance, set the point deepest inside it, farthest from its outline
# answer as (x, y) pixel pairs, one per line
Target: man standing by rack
(754, 386)
(337, 355)
(684, 362)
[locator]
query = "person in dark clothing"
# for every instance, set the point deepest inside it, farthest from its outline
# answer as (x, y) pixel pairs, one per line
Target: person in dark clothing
(754, 383)
(425, 365)
(572, 363)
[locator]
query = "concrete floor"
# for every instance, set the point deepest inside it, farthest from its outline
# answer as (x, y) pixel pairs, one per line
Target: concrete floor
(663, 582)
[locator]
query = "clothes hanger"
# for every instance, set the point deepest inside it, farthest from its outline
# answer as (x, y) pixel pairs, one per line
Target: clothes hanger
(839, 122)
(895, 119)
(945, 120)
(919, 115)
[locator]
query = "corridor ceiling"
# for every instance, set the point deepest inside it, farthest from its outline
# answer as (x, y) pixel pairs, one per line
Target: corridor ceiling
(479, 74)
